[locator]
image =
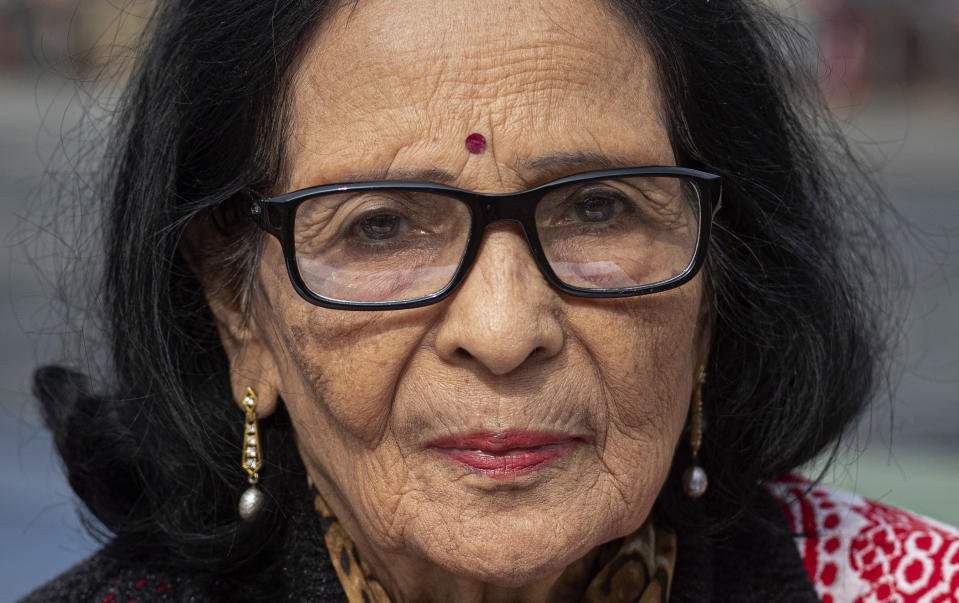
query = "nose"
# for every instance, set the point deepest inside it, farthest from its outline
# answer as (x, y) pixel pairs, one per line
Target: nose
(504, 314)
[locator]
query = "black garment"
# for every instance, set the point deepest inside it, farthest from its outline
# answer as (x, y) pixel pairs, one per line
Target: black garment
(750, 564)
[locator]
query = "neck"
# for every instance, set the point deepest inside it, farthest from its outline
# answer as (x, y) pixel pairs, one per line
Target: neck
(408, 580)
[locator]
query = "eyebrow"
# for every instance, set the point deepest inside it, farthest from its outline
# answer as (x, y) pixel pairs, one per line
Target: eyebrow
(532, 170)
(424, 175)
(556, 165)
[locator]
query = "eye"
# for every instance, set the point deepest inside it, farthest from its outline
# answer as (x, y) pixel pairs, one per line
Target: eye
(378, 227)
(597, 209)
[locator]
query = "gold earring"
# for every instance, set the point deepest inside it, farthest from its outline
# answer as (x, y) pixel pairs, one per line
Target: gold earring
(251, 501)
(694, 479)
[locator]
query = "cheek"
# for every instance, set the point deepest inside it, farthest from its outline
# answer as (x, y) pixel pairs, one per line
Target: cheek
(348, 375)
(645, 352)
(338, 369)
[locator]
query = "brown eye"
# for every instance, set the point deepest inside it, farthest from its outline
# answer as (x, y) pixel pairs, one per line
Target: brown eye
(596, 209)
(380, 226)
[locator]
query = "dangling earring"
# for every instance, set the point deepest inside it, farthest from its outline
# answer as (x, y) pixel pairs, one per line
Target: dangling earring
(251, 501)
(694, 479)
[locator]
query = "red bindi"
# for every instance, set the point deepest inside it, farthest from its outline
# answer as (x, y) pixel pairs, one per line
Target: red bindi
(475, 143)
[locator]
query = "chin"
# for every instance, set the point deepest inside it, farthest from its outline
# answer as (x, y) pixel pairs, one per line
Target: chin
(505, 570)
(512, 554)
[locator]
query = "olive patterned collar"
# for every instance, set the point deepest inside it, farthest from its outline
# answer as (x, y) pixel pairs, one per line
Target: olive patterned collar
(640, 570)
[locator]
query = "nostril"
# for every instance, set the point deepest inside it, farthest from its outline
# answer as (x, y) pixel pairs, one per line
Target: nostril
(498, 359)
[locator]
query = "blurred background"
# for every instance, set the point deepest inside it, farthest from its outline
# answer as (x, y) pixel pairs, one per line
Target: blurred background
(890, 69)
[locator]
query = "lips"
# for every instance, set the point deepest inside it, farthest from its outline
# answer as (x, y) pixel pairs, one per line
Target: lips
(506, 455)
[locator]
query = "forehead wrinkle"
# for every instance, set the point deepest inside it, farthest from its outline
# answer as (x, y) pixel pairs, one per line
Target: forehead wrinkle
(404, 103)
(372, 61)
(378, 58)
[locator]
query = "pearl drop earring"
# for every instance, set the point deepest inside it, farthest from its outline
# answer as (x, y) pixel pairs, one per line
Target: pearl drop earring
(251, 501)
(695, 481)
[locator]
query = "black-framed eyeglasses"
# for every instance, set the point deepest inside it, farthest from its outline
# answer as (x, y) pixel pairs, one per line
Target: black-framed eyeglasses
(398, 244)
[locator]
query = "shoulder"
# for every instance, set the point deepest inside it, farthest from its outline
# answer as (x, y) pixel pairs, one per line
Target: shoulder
(106, 577)
(861, 551)
(299, 570)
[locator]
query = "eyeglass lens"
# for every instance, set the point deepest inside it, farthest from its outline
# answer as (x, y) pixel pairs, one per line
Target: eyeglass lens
(396, 245)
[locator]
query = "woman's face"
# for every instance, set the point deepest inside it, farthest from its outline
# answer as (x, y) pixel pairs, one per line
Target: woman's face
(391, 90)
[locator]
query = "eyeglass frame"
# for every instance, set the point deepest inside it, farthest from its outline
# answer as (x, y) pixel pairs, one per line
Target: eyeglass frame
(276, 216)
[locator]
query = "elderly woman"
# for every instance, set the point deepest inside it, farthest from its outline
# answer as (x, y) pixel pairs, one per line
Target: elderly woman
(473, 301)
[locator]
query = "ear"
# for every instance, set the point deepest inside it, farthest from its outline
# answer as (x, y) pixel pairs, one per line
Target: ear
(706, 321)
(208, 245)
(252, 363)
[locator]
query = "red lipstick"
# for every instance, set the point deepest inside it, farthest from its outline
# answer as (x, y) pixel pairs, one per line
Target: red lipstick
(506, 455)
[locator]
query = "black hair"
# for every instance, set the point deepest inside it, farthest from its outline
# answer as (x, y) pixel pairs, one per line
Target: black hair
(797, 339)
(799, 265)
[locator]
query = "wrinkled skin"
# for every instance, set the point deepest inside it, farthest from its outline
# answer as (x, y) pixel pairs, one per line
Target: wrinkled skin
(395, 87)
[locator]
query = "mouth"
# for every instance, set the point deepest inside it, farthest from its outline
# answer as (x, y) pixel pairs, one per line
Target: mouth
(509, 455)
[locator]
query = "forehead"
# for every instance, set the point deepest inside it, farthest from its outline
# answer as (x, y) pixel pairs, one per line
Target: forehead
(400, 84)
